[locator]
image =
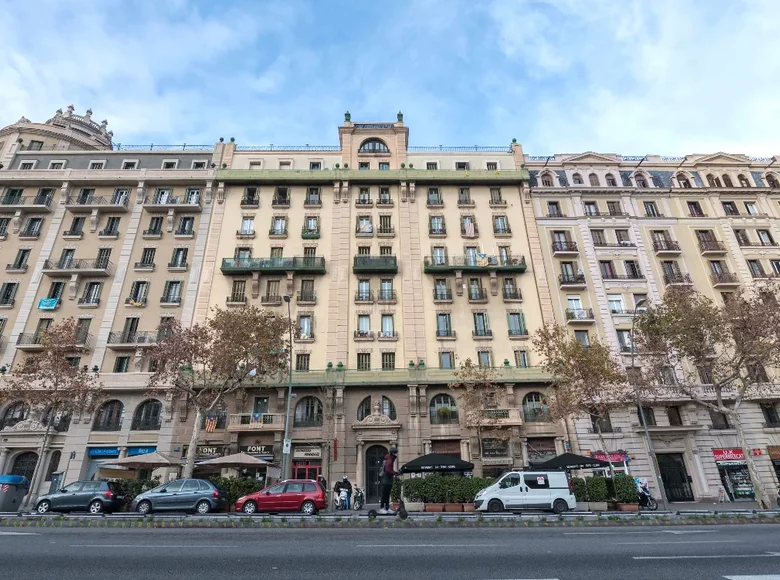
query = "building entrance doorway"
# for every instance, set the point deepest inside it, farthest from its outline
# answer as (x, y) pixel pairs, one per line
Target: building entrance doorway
(674, 476)
(375, 455)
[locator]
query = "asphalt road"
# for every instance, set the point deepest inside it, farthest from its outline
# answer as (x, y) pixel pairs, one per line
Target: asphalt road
(746, 552)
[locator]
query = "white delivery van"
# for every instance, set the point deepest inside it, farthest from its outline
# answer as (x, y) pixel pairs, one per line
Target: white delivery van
(517, 490)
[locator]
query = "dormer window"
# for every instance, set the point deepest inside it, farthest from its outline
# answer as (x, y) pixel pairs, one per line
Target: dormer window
(683, 181)
(577, 179)
(641, 182)
(373, 146)
(611, 180)
(593, 179)
(170, 164)
(547, 180)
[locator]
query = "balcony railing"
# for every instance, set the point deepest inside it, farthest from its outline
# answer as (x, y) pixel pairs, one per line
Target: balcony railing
(136, 338)
(442, 295)
(375, 264)
(93, 267)
(250, 201)
(308, 297)
(726, 278)
(386, 296)
(256, 422)
(281, 201)
(437, 231)
(386, 230)
(16, 267)
(364, 296)
(445, 333)
(387, 335)
(97, 201)
(33, 339)
(271, 299)
(77, 233)
(7, 302)
(501, 231)
(477, 295)
(433, 264)
(30, 234)
(236, 298)
(518, 332)
(178, 265)
(312, 201)
(364, 334)
(482, 333)
(572, 279)
(469, 234)
(276, 231)
(24, 201)
(164, 201)
(435, 201)
(511, 294)
(310, 233)
(677, 278)
(627, 276)
(170, 299)
(109, 232)
(363, 202)
(583, 314)
(565, 248)
(145, 424)
(387, 202)
(245, 234)
(668, 246)
(712, 247)
(308, 264)
(89, 301)
(153, 233)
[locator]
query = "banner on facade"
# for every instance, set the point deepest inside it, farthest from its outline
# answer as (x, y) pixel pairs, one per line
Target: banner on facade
(308, 452)
(257, 449)
(733, 454)
(206, 451)
(774, 452)
(614, 456)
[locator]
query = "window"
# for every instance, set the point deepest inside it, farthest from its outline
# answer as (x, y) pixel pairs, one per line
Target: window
(112, 227)
(24, 464)
(109, 417)
(611, 182)
(276, 252)
(624, 340)
(495, 196)
(607, 270)
(649, 416)
(129, 164)
(373, 146)
(439, 255)
(285, 165)
(434, 196)
(32, 228)
(600, 423)
(599, 239)
(364, 166)
(56, 164)
(121, 364)
(591, 208)
(516, 323)
(756, 269)
(593, 179)
(468, 228)
(313, 196)
(91, 293)
(632, 269)
(199, 165)
(765, 237)
(14, 414)
(727, 181)
(384, 166)
(247, 226)
(364, 250)
(387, 327)
(651, 209)
(386, 291)
(305, 324)
(535, 408)
(719, 420)
(436, 225)
(667, 376)
(577, 179)
(521, 359)
(443, 410)
(501, 225)
(302, 362)
(95, 165)
(20, 261)
(623, 238)
(461, 166)
(491, 166)
(615, 303)
(554, 209)
(582, 337)
(683, 181)
(775, 267)
(547, 180)
(388, 361)
(170, 163)
(385, 224)
(315, 165)
(444, 325)
(446, 359)
(730, 208)
(771, 414)
(238, 292)
(279, 226)
(757, 373)
(254, 165)
(139, 291)
(4, 226)
(186, 226)
(751, 208)
(641, 181)
(364, 361)
(27, 165)
(172, 292)
(308, 413)
(613, 207)
(483, 357)
(431, 166)
(674, 416)
(155, 225)
(743, 180)
(281, 196)
(8, 293)
(772, 181)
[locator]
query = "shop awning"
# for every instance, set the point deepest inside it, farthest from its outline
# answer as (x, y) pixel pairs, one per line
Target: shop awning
(571, 461)
(235, 460)
(145, 461)
(436, 462)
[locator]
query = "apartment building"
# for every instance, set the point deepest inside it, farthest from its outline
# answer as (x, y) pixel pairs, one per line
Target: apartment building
(617, 232)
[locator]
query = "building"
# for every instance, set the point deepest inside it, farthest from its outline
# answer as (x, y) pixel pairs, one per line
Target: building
(400, 262)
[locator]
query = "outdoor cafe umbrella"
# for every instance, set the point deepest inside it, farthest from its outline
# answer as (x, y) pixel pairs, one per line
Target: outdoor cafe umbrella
(235, 460)
(571, 461)
(436, 462)
(145, 461)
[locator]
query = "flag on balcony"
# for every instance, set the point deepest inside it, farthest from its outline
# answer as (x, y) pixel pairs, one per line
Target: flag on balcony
(469, 229)
(482, 260)
(211, 423)
(256, 417)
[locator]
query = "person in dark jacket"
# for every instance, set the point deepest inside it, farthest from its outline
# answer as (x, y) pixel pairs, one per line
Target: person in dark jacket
(387, 480)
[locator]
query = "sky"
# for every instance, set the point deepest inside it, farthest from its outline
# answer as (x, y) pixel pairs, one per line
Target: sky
(666, 77)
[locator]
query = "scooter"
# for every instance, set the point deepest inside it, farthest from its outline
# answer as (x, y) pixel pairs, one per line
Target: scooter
(646, 500)
(340, 500)
(358, 499)
(401, 513)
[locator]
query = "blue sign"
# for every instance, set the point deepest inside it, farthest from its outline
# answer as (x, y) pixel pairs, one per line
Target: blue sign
(104, 451)
(48, 303)
(140, 450)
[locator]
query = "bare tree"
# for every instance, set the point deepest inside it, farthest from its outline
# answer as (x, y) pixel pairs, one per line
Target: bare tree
(53, 382)
(206, 363)
(586, 379)
(713, 355)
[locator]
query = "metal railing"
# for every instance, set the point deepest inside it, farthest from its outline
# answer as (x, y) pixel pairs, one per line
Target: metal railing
(292, 263)
(133, 338)
(468, 261)
(371, 262)
(364, 296)
(666, 246)
(121, 201)
(40, 199)
(89, 300)
(153, 147)
(712, 246)
(437, 231)
(386, 230)
(236, 298)
(16, 267)
(724, 278)
(388, 334)
(615, 276)
(281, 201)
(445, 333)
(565, 247)
(364, 334)
(271, 299)
(677, 278)
(171, 200)
(435, 201)
(571, 279)
(477, 294)
(153, 232)
(518, 332)
(170, 299)
(313, 200)
(481, 332)
(512, 294)
(277, 231)
(307, 297)
(386, 296)
(250, 201)
(78, 264)
(442, 294)
(579, 314)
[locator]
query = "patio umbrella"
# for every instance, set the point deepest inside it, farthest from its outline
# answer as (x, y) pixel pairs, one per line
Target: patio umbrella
(145, 461)
(235, 460)
(437, 462)
(571, 461)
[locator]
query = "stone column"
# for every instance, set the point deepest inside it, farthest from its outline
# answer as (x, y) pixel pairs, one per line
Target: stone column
(3, 457)
(360, 468)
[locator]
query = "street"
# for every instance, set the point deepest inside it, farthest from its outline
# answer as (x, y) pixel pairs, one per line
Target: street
(746, 552)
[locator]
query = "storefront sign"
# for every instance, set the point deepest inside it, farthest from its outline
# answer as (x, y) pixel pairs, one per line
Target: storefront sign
(774, 452)
(310, 452)
(206, 451)
(614, 457)
(257, 449)
(104, 451)
(733, 454)
(140, 450)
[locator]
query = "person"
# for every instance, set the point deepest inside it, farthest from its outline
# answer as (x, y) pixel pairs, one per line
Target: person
(346, 485)
(323, 482)
(387, 480)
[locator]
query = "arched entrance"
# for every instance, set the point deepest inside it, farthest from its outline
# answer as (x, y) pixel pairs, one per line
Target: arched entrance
(24, 464)
(374, 457)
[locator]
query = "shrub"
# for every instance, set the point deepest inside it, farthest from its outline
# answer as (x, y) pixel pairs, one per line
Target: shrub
(437, 488)
(135, 487)
(236, 487)
(625, 489)
(596, 488)
(580, 491)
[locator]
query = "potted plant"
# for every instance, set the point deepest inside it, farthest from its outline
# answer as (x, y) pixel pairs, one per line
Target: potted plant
(580, 493)
(625, 494)
(597, 493)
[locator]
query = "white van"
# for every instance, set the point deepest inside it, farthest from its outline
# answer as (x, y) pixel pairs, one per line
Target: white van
(516, 490)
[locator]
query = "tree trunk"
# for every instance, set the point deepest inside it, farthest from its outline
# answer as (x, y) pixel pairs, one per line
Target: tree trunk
(192, 450)
(32, 495)
(604, 447)
(758, 485)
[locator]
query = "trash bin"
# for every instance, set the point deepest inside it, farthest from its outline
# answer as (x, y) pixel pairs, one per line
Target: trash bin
(13, 488)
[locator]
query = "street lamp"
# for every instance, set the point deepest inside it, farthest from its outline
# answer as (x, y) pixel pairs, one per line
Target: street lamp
(641, 410)
(287, 444)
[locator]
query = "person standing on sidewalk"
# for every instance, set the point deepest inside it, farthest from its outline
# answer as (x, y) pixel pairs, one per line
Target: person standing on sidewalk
(388, 473)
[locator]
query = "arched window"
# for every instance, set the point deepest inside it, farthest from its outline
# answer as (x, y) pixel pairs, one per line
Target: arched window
(593, 179)
(641, 181)
(308, 413)
(683, 181)
(611, 181)
(743, 180)
(373, 146)
(14, 413)
(577, 179)
(60, 421)
(547, 180)
(712, 180)
(109, 417)
(388, 409)
(727, 181)
(24, 464)
(772, 181)
(364, 409)
(147, 416)
(54, 464)
(215, 419)
(535, 408)
(443, 410)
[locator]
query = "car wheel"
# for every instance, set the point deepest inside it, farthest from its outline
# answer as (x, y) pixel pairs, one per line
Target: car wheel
(250, 507)
(495, 506)
(203, 507)
(144, 508)
(95, 507)
(559, 506)
(309, 508)
(43, 507)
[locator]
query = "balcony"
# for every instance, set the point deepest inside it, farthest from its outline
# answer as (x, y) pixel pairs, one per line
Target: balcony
(384, 202)
(165, 203)
(479, 263)
(469, 233)
(556, 215)
(561, 249)
(40, 203)
(95, 267)
(364, 230)
(572, 281)
(310, 233)
(501, 232)
(598, 213)
(712, 247)
(580, 316)
(89, 302)
(477, 295)
(385, 232)
(32, 341)
(77, 234)
(437, 232)
(628, 276)
(465, 201)
(500, 418)
(387, 335)
(512, 295)
(236, 299)
(178, 266)
(16, 268)
(312, 201)
(245, 234)
(515, 333)
(30, 234)
(306, 298)
(170, 300)
(364, 202)
(144, 267)
(280, 202)
(250, 202)
(302, 264)
(152, 234)
(364, 297)
(278, 233)
(386, 297)
(435, 201)
(7, 302)
(363, 335)
(80, 203)
(497, 202)
(724, 279)
(136, 301)
(666, 248)
(126, 340)
(374, 264)
(271, 300)
(677, 279)
(482, 334)
(442, 296)
(108, 234)
(621, 245)
(256, 422)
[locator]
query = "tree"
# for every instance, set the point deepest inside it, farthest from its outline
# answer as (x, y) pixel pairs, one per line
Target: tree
(586, 379)
(54, 382)
(478, 393)
(205, 363)
(713, 355)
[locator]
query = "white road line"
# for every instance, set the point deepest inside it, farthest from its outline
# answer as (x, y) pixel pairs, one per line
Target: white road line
(675, 532)
(19, 534)
(144, 546)
(759, 577)
(426, 545)
(679, 542)
(713, 557)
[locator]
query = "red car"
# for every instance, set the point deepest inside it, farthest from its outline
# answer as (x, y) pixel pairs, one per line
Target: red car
(291, 495)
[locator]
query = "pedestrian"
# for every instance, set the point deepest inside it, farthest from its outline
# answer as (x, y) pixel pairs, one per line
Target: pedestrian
(323, 482)
(346, 485)
(388, 473)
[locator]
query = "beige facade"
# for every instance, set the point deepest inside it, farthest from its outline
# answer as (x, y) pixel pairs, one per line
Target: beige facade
(400, 262)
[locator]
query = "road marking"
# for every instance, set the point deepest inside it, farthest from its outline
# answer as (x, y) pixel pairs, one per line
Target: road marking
(143, 546)
(679, 542)
(713, 557)
(760, 577)
(18, 534)
(675, 532)
(426, 546)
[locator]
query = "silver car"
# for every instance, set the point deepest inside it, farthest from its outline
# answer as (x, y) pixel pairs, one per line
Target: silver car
(189, 495)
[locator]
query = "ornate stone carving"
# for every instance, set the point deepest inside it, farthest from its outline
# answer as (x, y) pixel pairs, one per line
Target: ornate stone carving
(377, 420)
(26, 425)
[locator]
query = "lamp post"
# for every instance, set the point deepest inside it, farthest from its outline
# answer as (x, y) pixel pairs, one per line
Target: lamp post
(287, 444)
(641, 411)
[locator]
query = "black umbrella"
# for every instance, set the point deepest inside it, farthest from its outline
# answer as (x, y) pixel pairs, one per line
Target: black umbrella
(571, 461)
(436, 462)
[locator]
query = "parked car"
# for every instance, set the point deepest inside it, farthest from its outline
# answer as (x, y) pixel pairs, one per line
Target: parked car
(90, 496)
(516, 490)
(190, 495)
(291, 495)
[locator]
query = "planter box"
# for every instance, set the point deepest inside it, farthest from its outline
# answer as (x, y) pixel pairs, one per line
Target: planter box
(414, 506)
(582, 506)
(628, 507)
(434, 507)
(469, 507)
(597, 506)
(452, 507)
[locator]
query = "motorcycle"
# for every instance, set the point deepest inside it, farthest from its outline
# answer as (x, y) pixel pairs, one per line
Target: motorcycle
(358, 499)
(646, 500)
(340, 500)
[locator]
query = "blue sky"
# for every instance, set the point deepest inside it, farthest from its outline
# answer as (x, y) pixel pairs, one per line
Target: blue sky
(628, 76)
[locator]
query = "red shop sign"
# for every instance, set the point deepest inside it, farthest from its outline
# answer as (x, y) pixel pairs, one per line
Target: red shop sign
(733, 454)
(613, 457)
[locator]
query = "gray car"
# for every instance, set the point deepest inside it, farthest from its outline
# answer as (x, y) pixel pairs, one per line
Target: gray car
(91, 496)
(189, 495)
